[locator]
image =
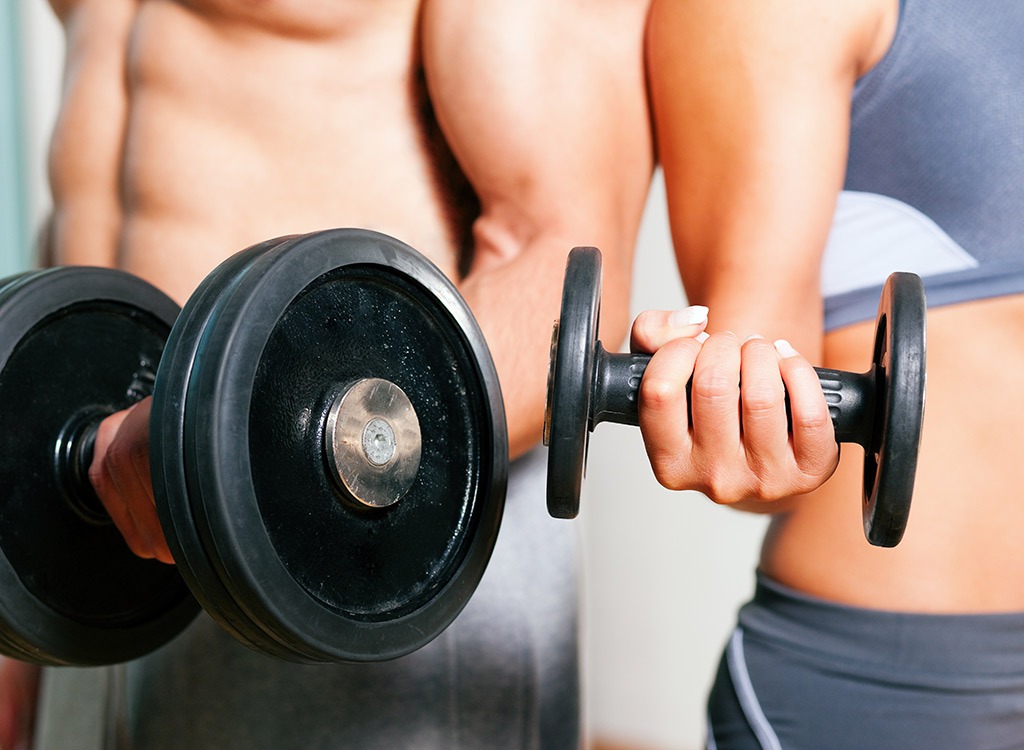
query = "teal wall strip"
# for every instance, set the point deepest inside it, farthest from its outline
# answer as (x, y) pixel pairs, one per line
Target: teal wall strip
(14, 241)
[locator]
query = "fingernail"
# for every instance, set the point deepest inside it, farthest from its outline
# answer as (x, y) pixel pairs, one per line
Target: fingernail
(785, 349)
(702, 337)
(753, 337)
(688, 316)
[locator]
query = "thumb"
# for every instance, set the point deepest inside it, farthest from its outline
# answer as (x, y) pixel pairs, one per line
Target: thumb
(652, 329)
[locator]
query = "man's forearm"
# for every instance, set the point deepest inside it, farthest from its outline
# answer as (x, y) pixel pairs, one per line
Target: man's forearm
(516, 304)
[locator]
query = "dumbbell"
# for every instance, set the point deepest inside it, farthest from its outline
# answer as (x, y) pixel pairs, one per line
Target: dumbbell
(882, 409)
(327, 445)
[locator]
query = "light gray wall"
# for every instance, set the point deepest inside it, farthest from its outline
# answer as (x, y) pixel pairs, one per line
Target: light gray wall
(12, 168)
(663, 571)
(42, 66)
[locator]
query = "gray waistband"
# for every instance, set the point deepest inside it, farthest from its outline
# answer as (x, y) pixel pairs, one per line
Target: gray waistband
(995, 279)
(921, 647)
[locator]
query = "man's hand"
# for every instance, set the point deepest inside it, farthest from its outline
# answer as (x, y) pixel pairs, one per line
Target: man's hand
(120, 475)
(730, 438)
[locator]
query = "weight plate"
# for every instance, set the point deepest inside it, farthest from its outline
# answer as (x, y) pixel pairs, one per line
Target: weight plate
(570, 381)
(317, 570)
(77, 343)
(167, 460)
(890, 462)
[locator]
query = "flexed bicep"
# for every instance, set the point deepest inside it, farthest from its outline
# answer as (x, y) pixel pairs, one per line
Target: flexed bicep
(544, 106)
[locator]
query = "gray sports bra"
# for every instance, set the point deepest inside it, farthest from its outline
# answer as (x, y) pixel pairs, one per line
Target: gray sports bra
(935, 180)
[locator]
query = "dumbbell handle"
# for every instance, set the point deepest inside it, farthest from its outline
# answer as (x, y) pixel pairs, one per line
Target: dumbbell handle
(72, 458)
(615, 391)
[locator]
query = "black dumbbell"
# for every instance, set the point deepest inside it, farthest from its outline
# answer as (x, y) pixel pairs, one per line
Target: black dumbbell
(882, 409)
(327, 447)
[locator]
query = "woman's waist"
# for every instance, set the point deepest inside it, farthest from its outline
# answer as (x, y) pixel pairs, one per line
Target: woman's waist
(891, 645)
(961, 551)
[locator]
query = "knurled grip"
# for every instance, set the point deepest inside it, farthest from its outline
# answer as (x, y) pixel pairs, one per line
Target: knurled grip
(851, 398)
(616, 388)
(615, 396)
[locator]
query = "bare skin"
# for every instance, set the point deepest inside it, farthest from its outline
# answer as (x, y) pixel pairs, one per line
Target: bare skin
(278, 141)
(754, 156)
(488, 136)
(19, 685)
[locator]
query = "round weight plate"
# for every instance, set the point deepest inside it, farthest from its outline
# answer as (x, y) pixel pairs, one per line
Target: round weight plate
(323, 575)
(570, 381)
(167, 460)
(890, 462)
(78, 343)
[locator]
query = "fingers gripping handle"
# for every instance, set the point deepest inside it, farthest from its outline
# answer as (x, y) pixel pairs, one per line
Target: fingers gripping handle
(881, 409)
(615, 396)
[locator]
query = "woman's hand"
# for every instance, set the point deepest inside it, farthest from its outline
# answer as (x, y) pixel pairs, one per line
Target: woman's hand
(729, 436)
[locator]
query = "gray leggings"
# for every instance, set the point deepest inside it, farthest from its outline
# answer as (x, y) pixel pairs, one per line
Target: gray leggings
(803, 674)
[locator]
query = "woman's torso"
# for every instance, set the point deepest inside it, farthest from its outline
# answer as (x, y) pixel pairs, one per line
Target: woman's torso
(940, 131)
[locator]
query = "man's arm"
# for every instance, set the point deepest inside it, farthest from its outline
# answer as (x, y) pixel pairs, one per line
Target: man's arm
(92, 110)
(751, 108)
(85, 179)
(544, 106)
(19, 691)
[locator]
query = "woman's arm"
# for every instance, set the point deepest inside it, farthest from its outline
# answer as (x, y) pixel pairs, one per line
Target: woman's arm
(751, 108)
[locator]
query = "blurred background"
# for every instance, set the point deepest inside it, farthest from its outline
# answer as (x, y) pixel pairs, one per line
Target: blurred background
(663, 572)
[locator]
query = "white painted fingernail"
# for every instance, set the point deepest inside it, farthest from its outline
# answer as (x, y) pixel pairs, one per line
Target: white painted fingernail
(785, 349)
(688, 316)
(702, 337)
